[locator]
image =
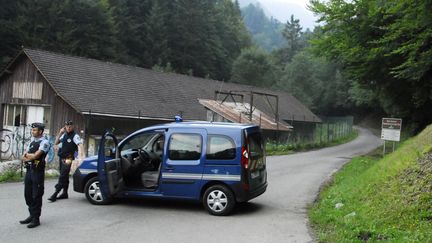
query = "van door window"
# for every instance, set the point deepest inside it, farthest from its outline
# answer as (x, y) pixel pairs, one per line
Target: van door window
(256, 151)
(184, 146)
(220, 148)
(255, 145)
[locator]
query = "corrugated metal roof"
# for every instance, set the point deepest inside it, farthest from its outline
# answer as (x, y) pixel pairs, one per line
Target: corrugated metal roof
(240, 112)
(116, 89)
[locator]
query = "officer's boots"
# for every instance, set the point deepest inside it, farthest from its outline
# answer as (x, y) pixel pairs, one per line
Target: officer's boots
(64, 194)
(27, 220)
(53, 197)
(34, 223)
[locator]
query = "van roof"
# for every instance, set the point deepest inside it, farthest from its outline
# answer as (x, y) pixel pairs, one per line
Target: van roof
(199, 124)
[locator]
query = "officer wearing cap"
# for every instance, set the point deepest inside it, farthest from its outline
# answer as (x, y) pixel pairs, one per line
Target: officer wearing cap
(69, 143)
(34, 160)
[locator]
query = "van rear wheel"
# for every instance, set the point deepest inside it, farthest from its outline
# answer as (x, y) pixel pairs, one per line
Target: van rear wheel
(93, 193)
(218, 200)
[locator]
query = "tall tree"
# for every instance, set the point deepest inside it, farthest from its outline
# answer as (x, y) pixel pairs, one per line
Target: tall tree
(292, 34)
(87, 29)
(9, 34)
(156, 41)
(233, 34)
(75, 27)
(254, 67)
(189, 32)
(386, 48)
(129, 17)
(295, 41)
(318, 83)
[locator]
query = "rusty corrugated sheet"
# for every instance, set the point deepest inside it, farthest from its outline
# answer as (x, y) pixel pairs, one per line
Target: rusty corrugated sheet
(239, 112)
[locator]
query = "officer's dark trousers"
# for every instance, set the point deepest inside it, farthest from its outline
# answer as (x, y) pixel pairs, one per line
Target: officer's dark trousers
(63, 182)
(34, 189)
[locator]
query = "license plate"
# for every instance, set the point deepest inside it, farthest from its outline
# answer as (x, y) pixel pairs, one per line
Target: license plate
(255, 174)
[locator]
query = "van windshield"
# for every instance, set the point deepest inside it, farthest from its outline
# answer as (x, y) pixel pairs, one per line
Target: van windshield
(138, 141)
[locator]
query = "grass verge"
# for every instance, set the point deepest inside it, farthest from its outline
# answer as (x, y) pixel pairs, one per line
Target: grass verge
(284, 149)
(379, 199)
(15, 176)
(10, 176)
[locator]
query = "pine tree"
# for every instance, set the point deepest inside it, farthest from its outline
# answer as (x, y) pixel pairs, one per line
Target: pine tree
(130, 30)
(9, 35)
(294, 41)
(156, 41)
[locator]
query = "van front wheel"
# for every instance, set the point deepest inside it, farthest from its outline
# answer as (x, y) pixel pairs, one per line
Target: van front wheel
(218, 200)
(93, 193)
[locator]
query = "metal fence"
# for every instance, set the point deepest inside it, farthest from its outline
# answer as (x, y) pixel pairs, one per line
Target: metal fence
(331, 129)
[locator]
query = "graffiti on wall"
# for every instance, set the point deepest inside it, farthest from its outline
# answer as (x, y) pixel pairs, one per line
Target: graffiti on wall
(15, 140)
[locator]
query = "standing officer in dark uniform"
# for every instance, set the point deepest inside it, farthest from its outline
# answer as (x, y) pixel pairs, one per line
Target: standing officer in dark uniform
(70, 143)
(34, 160)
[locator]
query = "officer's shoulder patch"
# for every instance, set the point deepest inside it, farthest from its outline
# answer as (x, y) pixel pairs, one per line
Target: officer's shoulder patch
(46, 145)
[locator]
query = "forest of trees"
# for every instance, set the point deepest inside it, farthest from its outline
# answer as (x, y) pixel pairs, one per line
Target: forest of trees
(385, 49)
(291, 64)
(196, 37)
(366, 55)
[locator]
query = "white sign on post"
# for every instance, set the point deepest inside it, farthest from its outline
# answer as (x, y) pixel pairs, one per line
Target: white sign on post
(391, 129)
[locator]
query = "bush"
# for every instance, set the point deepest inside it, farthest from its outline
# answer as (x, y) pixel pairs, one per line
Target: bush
(273, 148)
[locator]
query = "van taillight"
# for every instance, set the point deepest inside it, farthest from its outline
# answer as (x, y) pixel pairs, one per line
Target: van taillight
(245, 158)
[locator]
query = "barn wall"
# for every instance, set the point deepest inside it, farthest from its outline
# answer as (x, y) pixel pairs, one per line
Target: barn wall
(26, 86)
(23, 85)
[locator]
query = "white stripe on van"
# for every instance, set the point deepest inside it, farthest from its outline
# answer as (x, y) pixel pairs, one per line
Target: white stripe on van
(221, 177)
(186, 176)
(191, 176)
(87, 171)
(182, 176)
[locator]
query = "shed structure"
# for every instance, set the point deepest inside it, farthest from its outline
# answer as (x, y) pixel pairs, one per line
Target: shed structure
(52, 88)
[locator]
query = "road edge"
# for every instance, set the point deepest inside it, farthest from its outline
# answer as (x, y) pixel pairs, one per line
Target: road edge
(328, 181)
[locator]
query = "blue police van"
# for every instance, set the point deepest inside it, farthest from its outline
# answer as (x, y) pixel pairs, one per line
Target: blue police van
(220, 164)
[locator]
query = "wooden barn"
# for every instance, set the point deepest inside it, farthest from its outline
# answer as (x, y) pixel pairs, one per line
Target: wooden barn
(42, 86)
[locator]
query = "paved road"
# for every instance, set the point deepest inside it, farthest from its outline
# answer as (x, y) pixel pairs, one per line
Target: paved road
(279, 215)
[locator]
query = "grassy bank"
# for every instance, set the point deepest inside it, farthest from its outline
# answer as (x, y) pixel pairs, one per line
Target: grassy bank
(374, 199)
(283, 149)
